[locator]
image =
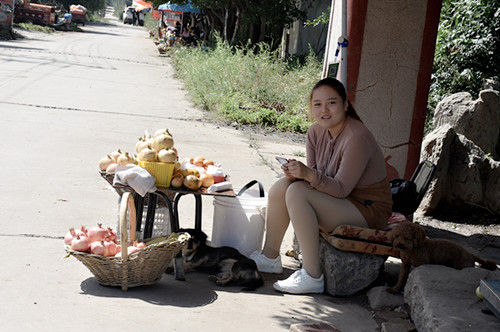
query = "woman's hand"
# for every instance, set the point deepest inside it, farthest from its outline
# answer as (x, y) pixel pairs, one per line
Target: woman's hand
(297, 170)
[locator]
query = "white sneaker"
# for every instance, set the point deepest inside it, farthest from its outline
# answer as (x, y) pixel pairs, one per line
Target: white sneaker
(300, 282)
(265, 264)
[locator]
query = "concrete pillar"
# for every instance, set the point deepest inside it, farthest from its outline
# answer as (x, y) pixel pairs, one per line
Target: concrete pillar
(389, 63)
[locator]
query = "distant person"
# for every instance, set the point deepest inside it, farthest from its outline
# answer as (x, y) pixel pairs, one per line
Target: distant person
(134, 17)
(186, 36)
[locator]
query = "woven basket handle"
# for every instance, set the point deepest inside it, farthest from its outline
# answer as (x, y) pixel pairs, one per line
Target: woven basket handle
(127, 203)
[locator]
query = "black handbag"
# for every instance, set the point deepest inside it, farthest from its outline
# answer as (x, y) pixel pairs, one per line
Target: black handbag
(404, 196)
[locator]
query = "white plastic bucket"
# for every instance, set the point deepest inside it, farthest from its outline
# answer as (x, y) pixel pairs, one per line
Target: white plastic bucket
(238, 221)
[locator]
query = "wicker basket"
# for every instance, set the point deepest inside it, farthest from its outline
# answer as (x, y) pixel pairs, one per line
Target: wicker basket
(144, 267)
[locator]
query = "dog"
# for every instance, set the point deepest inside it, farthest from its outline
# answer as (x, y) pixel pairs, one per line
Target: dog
(416, 249)
(225, 265)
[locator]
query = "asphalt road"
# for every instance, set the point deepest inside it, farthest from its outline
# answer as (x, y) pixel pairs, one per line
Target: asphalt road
(66, 100)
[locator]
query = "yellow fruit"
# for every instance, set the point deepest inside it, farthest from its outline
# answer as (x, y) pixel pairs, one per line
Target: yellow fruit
(177, 181)
(207, 180)
(478, 293)
(192, 182)
(198, 161)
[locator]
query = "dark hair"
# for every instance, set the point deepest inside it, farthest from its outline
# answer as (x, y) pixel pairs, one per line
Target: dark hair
(339, 87)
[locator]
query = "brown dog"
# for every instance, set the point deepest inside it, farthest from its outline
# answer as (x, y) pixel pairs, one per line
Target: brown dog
(417, 250)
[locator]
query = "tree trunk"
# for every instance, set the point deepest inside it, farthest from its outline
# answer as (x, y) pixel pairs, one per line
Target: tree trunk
(236, 25)
(262, 29)
(226, 16)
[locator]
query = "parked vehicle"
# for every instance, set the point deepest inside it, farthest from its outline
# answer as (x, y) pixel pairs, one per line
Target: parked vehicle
(140, 18)
(79, 14)
(128, 15)
(34, 13)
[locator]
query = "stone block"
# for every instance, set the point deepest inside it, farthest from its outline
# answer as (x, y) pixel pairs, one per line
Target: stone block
(347, 273)
(313, 327)
(444, 299)
(379, 298)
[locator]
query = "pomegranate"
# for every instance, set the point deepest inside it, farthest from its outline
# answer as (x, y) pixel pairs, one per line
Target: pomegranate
(115, 154)
(140, 245)
(125, 159)
(132, 249)
(83, 231)
(148, 154)
(80, 243)
(98, 233)
(163, 141)
(111, 168)
(161, 131)
(167, 156)
(110, 246)
(112, 235)
(98, 248)
(69, 236)
(105, 162)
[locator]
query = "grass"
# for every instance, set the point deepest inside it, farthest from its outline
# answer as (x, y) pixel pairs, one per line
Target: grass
(248, 86)
(34, 27)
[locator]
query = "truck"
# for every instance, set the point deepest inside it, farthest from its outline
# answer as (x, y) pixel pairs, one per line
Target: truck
(34, 13)
(78, 13)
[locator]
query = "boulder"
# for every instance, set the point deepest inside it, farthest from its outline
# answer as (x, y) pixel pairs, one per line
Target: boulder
(436, 147)
(444, 299)
(465, 176)
(478, 120)
(347, 273)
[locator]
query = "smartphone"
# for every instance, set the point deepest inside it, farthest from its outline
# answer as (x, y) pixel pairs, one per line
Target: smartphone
(282, 161)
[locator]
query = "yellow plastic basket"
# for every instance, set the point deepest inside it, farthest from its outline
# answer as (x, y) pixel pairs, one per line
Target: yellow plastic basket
(161, 171)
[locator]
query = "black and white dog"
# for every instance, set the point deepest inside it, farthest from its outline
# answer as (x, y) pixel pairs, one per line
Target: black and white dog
(225, 265)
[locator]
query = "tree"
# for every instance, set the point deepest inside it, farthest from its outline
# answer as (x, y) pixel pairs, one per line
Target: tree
(467, 48)
(242, 20)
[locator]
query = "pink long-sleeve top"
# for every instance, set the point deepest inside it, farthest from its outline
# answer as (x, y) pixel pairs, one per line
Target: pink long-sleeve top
(351, 165)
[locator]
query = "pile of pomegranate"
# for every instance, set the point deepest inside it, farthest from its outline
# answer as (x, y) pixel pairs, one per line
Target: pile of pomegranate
(98, 240)
(192, 173)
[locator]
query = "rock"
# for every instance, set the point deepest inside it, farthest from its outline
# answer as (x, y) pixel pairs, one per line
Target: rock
(435, 291)
(478, 120)
(397, 326)
(464, 177)
(313, 327)
(436, 147)
(347, 273)
(490, 84)
(379, 298)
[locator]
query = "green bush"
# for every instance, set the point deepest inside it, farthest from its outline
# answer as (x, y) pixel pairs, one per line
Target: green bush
(248, 85)
(467, 49)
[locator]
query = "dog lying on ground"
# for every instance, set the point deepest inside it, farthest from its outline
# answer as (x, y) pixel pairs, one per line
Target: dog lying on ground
(416, 249)
(226, 265)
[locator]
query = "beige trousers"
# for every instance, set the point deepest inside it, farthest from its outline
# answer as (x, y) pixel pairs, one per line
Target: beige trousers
(309, 210)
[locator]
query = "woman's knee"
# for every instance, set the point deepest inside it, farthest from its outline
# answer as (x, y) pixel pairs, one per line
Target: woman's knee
(278, 189)
(296, 192)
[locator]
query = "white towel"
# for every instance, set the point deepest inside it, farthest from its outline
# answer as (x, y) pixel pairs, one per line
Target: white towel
(136, 177)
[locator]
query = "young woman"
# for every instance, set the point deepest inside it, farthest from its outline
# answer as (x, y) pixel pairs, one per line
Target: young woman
(344, 182)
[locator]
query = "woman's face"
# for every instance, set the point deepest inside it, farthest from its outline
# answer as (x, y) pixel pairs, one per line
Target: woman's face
(328, 109)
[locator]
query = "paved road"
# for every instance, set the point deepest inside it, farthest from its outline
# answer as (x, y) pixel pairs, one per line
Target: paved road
(66, 100)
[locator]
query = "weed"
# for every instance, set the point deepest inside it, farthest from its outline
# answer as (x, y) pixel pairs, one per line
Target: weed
(250, 87)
